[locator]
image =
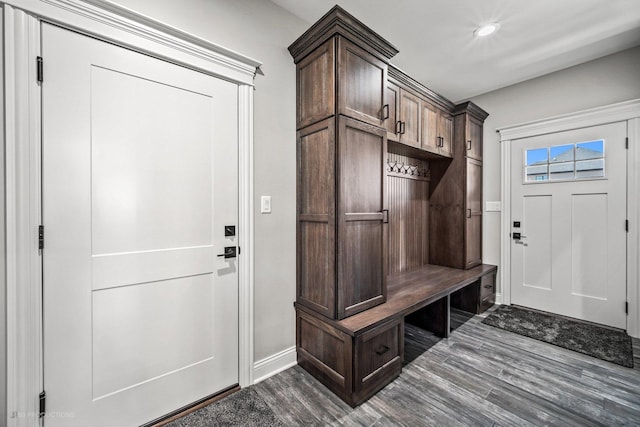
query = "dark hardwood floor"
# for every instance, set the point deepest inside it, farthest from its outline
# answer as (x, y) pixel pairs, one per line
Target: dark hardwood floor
(481, 376)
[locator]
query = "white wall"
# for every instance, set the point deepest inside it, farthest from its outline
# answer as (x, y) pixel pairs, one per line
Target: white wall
(604, 81)
(3, 277)
(263, 31)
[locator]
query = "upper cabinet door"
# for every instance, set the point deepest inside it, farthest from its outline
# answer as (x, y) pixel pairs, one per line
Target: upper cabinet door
(474, 138)
(429, 137)
(445, 132)
(315, 91)
(362, 82)
(392, 104)
(409, 127)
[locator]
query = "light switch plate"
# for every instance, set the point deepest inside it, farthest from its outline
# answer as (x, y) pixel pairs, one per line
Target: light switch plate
(265, 204)
(493, 206)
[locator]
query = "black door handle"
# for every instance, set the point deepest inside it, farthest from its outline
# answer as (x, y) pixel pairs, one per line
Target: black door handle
(229, 252)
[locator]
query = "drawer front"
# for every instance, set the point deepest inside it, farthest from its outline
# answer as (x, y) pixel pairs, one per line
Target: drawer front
(378, 357)
(487, 285)
(486, 303)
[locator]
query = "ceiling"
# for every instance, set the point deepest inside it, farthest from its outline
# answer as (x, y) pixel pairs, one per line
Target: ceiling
(437, 46)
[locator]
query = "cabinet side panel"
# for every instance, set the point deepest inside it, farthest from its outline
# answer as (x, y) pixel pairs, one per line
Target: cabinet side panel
(326, 353)
(316, 85)
(316, 217)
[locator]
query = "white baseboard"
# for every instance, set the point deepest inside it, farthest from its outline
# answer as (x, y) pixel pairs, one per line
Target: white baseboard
(269, 366)
(499, 298)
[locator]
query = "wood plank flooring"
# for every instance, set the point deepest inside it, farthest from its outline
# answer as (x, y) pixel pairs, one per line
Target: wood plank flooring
(480, 376)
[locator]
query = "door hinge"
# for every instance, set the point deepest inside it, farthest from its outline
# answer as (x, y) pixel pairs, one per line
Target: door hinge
(40, 69)
(626, 307)
(626, 225)
(43, 402)
(41, 237)
(626, 143)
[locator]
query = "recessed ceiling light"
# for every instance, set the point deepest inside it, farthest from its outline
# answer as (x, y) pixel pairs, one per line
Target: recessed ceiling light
(486, 29)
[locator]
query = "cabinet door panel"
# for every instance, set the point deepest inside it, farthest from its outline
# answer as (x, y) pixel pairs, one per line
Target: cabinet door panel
(473, 205)
(316, 85)
(474, 139)
(474, 186)
(410, 117)
(445, 131)
(362, 251)
(392, 99)
(430, 134)
(473, 246)
(361, 85)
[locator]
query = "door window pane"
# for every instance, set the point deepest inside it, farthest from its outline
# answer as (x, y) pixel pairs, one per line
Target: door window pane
(582, 160)
(590, 168)
(561, 153)
(590, 150)
(537, 156)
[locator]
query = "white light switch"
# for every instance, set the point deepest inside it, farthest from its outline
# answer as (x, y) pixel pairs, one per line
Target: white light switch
(493, 206)
(265, 204)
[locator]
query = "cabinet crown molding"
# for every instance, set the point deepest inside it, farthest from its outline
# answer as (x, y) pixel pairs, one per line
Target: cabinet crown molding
(338, 21)
(409, 82)
(471, 109)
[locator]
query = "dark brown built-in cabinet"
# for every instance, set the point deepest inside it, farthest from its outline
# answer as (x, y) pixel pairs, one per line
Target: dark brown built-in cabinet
(389, 195)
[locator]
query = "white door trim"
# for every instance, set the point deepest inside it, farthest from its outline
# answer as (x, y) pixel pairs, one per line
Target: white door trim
(628, 111)
(104, 20)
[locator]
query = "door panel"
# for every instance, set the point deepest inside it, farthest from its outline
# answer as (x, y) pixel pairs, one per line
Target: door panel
(392, 99)
(571, 257)
(362, 83)
(429, 137)
(139, 180)
(362, 253)
(410, 106)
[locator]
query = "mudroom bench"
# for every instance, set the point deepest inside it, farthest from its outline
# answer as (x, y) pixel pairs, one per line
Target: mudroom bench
(357, 356)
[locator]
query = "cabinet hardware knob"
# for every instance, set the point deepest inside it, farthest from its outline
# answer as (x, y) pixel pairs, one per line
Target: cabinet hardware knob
(385, 216)
(468, 213)
(398, 127)
(469, 145)
(403, 127)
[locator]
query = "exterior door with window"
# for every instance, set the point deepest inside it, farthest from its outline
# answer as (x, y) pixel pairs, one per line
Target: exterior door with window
(568, 223)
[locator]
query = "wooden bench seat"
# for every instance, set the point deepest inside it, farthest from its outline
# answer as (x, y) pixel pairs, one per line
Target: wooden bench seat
(357, 356)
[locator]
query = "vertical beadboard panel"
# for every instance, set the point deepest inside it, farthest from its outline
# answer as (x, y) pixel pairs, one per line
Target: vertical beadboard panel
(408, 201)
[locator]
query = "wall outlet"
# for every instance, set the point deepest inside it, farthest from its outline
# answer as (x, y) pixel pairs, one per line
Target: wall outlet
(493, 206)
(265, 204)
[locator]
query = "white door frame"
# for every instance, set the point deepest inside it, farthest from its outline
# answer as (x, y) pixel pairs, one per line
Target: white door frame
(109, 22)
(628, 111)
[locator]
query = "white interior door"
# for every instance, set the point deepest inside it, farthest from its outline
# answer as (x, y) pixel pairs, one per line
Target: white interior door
(569, 197)
(139, 182)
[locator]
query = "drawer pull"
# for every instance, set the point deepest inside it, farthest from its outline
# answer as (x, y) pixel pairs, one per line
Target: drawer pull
(382, 350)
(488, 286)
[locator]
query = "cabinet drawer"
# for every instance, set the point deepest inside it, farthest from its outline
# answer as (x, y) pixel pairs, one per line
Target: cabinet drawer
(487, 286)
(378, 357)
(486, 303)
